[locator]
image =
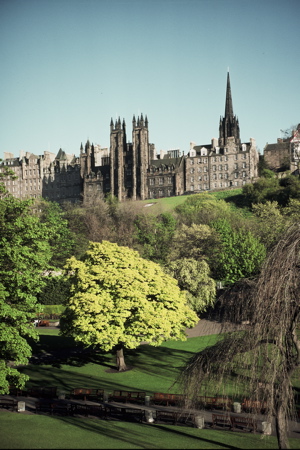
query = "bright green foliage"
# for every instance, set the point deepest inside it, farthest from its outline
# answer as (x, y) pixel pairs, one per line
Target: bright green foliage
(202, 208)
(194, 277)
(155, 235)
(240, 254)
(24, 254)
(118, 298)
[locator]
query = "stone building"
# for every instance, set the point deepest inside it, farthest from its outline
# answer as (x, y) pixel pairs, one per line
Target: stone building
(285, 154)
(133, 170)
(56, 178)
(225, 162)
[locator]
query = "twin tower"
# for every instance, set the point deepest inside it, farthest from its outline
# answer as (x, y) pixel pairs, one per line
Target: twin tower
(129, 161)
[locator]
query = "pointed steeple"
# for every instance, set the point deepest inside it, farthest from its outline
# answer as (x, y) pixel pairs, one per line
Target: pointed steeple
(229, 124)
(228, 103)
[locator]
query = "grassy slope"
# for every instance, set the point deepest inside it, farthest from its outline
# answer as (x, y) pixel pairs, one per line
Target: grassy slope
(154, 369)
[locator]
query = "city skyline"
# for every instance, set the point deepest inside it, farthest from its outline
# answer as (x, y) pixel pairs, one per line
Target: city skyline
(68, 67)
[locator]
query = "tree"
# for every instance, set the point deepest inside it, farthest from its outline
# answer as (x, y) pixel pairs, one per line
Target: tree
(195, 241)
(202, 208)
(270, 223)
(263, 357)
(55, 291)
(240, 253)
(24, 254)
(194, 277)
(62, 242)
(155, 234)
(118, 300)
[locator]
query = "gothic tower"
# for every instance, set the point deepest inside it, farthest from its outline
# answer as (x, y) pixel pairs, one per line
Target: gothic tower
(141, 157)
(117, 155)
(229, 124)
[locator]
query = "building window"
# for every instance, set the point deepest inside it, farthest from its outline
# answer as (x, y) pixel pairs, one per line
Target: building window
(235, 166)
(151, 181)
(199, 187)
(214, 168)
(161, 180)
(244, 174)
(192, 170)
(192, 179)
(169, 180)
(192, 187)
(244, 165)
(235, 175)
(220, 167)
(214, 176)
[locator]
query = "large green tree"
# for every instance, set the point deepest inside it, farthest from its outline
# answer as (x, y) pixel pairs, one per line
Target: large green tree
(24, 255)
(119, 300)
(240, 253)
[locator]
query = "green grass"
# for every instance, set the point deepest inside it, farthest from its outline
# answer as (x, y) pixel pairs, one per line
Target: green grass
(154, 369)
(168, 204)
(20, 431)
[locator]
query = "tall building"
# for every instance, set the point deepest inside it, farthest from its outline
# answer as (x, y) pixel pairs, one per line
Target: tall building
(225, 162)
(133, 170)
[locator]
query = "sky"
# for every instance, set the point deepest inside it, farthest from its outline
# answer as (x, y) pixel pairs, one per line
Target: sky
(69, 66)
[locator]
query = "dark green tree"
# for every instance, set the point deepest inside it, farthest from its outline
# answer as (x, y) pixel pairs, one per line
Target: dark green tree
(62, 242)
(25, 253)
(154, 235)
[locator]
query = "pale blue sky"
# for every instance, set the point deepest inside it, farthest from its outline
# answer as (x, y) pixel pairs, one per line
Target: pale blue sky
(68, 66)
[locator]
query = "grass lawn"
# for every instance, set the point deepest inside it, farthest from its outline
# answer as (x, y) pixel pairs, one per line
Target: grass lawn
(19, 431)
(153, 369)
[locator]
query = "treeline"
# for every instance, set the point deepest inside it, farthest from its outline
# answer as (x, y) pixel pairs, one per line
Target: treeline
(203, 242)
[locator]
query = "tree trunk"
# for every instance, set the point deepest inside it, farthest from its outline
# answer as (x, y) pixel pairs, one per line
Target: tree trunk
(120, 358)
(281, 428)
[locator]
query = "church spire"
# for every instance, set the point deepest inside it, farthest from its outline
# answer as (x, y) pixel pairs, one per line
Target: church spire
(229, 124)
(228, 103)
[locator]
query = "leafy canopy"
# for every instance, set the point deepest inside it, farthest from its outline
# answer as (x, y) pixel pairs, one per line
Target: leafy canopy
(117, 297)
(24, 255)
(194, 277)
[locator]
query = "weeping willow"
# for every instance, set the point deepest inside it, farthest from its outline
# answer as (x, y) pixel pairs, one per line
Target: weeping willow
(260, 359)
